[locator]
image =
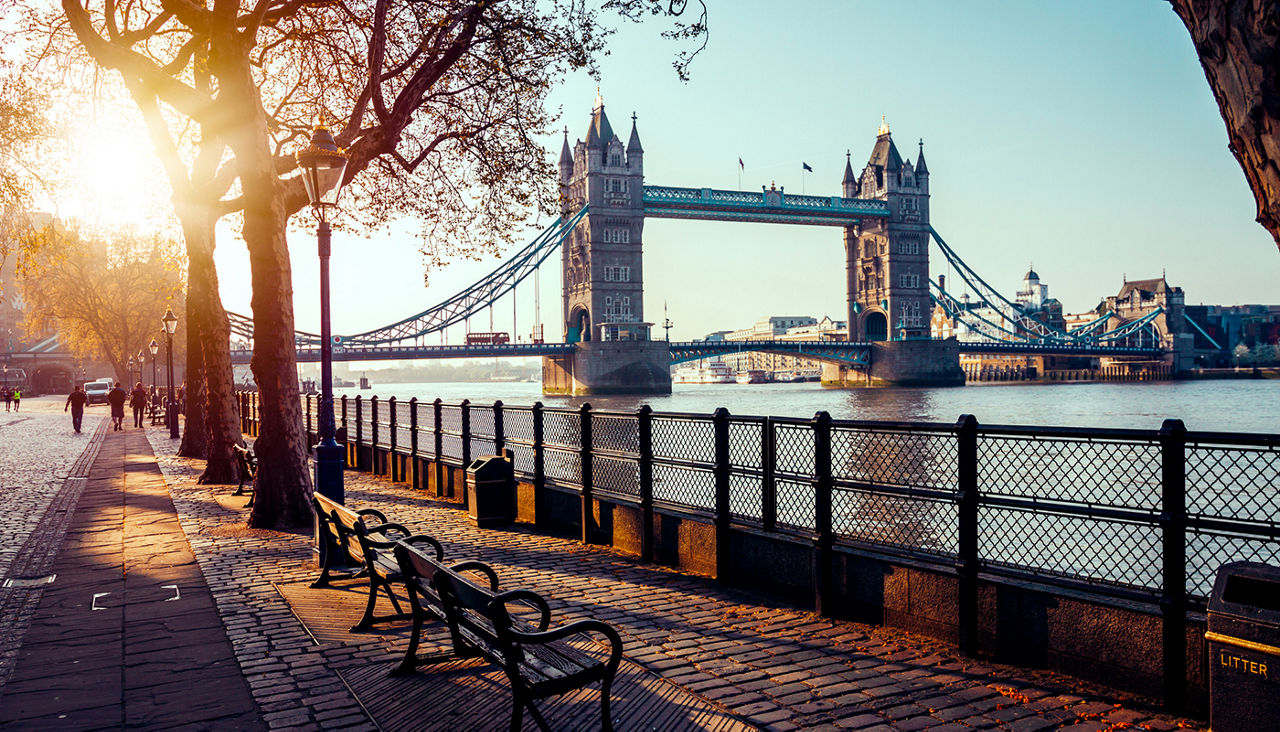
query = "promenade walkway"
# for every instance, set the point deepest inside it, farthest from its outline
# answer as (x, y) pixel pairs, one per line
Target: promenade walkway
(265, 651)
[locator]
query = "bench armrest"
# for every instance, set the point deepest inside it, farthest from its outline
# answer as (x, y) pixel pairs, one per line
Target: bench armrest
(383, 529)
(424, 539)
(530, 598)
(382, 518)
(475, 566)
(579, 627)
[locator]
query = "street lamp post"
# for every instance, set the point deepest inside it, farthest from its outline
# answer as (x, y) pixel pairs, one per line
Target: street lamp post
(141, 359)
(170, 323)
(323, 166)
(155, 381)
(154, 348)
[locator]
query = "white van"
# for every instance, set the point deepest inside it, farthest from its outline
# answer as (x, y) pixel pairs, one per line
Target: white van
(97, 390)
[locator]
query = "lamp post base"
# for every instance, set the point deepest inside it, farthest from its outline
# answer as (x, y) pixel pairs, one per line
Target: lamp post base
(329, 465)
(171, 419)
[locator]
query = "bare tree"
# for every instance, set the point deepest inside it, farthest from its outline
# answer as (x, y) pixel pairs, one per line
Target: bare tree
(440, 105)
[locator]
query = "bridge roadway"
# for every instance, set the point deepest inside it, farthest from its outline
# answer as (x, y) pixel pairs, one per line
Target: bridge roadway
(851, 354)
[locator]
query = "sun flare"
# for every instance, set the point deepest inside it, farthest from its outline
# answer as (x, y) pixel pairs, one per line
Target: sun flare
(112, 177)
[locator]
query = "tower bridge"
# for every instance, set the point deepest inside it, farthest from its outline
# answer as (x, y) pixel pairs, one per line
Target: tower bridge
(883, 215)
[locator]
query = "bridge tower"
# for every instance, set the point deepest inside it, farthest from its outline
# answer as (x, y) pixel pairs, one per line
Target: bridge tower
(887, 260)
(602, 267)
(887, 270)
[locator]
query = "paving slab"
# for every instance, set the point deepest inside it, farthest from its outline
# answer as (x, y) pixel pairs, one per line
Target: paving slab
(127, 634)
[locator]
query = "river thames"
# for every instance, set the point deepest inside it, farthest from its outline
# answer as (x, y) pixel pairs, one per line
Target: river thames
(1237, 405)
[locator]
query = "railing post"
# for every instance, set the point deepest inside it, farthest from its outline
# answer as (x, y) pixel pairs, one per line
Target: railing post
(306, 400)
(373, 438)
(539, 464)
(359, 433)
(967, 552)
(439, 417)
(822, 487)
(499, 439)
(644, 430)
(392, 458)
(584, 462)
(415, 473)
(768, 484)
(1173, 524)
(720, 474)
(346, 436)
(466, 438)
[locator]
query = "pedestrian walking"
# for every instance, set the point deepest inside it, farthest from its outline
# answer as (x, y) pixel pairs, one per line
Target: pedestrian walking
(17, 398)
(138, 400)
(116, 398)
(75, 402)
(8, 398)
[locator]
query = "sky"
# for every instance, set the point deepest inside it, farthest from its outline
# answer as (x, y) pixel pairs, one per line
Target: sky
(1081, 138)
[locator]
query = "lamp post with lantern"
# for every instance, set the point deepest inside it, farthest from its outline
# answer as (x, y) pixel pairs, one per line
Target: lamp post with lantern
(170, 323)
(323, 166)
(155, 381)
(132, 363)
(154, 348)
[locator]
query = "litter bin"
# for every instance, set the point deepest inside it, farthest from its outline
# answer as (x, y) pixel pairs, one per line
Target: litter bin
(1244, 647)
(491, 490)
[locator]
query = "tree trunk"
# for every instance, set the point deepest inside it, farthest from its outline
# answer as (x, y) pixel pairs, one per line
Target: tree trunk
(221, 409)
(216, 420)
(195, 436)
(1238, 42)
(282, 492)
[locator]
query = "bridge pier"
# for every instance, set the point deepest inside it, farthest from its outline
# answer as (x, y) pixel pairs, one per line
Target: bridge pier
(903, 363)
(609, 367)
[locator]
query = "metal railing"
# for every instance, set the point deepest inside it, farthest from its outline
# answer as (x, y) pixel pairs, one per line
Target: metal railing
(1145, 515)
(1138, 515)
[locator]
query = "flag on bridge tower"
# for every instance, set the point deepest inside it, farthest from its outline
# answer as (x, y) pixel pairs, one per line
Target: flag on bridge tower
(806, 166)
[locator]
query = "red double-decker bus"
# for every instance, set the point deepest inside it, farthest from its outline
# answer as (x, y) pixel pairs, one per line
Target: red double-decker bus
(488, 339)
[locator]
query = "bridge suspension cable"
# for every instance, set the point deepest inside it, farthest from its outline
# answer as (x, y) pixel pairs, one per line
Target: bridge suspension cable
(992, 298)
(456, 309)
(1021, 326)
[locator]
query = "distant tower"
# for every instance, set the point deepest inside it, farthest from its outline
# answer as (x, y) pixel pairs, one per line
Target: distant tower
(887, 261)
(601, 258)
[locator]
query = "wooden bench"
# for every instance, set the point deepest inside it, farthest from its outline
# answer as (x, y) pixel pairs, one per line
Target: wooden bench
(425, 604)
(354, 547)
(538, 662)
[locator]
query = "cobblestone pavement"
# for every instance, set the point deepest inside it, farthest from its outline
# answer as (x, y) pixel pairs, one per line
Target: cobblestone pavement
(781, 668)
(43, 466)
(289, 675)
(37, 451)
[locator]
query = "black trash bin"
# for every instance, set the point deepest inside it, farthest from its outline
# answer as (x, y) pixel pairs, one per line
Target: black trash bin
(491, 490)
(1244, 647)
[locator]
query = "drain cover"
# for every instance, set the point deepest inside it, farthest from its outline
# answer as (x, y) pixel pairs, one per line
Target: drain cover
(29, 581)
